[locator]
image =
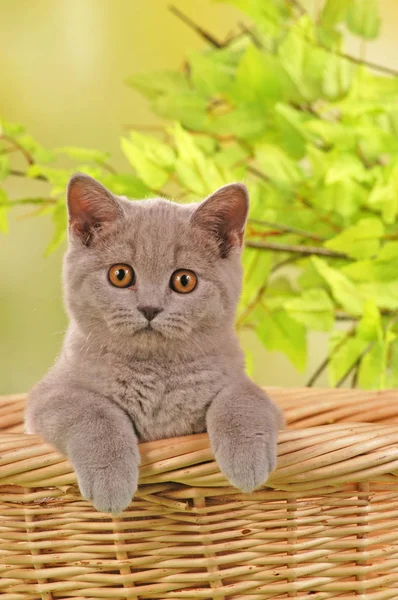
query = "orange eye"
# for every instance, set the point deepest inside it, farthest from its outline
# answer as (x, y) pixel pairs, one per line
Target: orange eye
(121, 275)
(183, 281)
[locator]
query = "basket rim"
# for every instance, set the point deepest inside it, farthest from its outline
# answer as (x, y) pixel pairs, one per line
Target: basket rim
(328, 443)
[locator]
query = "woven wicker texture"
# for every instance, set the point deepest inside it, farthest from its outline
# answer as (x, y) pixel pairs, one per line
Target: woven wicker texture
(326, 525)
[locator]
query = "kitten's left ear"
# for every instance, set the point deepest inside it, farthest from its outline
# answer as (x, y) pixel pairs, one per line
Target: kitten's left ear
(91, 207)
(224, 214)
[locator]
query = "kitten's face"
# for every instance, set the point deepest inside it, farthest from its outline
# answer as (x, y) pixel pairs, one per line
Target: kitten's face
(143, 272)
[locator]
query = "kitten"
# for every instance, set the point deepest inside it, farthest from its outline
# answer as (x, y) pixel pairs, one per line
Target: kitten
(151, 291)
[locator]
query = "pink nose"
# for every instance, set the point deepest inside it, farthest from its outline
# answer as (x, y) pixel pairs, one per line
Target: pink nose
(150, 312)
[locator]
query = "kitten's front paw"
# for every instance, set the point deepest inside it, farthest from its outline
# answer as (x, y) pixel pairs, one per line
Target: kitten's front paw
(110, 488)
(247, 463)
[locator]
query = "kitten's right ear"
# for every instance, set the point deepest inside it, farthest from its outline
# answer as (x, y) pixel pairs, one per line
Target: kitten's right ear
(90, 206)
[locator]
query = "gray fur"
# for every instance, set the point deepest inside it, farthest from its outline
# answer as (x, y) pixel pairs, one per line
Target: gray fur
(116, 384)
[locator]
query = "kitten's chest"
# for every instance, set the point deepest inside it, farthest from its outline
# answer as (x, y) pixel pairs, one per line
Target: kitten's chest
(166, 401)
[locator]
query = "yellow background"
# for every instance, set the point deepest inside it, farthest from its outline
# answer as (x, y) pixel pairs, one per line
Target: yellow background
(62, 70)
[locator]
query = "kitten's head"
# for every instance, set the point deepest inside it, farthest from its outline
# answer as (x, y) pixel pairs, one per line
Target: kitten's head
(150, 272)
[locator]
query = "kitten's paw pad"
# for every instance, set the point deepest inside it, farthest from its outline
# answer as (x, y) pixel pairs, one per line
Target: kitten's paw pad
(248, 464)
(109, 491)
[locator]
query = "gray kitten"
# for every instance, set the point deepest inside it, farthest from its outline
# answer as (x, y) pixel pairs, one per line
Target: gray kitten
(151, 352)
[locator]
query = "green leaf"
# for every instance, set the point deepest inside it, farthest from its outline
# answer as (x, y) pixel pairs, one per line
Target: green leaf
(345, 357)
(313, 308)
(210, 77)
(249, 122)
(153, 176)
(370, 327)
(268, 15)
(189, 109)
(11, 129)
(58, 178)
(4, 167)
(309, 276)
(208, 145)
(303, 60)
(328, 198)
(331, 134)
(384, 198)
(363, 18)
(337, 77)
(125, 185)
(157, 152)
(371, 370)
(59, 218)
(333, 12)
(277, 165)
(278, 331)
(391, 376)
(359, 241)
(195, 171)
(4, 208)
(84, 154)
(160, 83)
(260, 79)
(385, 293)
(343, 290)
(388, 252)
(256, 266)
(36, 150)
(345, 166)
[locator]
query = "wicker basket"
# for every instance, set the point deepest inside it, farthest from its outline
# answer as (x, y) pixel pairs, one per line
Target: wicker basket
(326, 525)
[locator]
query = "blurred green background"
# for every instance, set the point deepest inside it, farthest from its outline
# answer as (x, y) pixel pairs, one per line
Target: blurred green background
(62, 73)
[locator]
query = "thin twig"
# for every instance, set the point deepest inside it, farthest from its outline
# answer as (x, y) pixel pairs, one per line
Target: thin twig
(261, 291)
(288, 229)
(108, 168)
(250, 32)
(284, 263)
(322, 217)
(17, 173)
(340, 315)
(8, 150)
(355, 376)
(197, 28)
(359, 61)
(297, 4)
(324, 364)
(258, 173)
(296, 249)
(16, 144)
(354, 365)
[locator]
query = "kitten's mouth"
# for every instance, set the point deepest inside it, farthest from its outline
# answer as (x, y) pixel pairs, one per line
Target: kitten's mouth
(148, 329)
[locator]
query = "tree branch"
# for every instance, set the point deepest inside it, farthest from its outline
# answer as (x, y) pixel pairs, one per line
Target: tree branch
(250, 32)
(297, 4)
(197, 28)
(17, 173)
(354, 381)
(17, 145)
(108, 168)
(288, 229)
(296, 249)
(263, 288)
(360, 61)
(354, 365)
(324, 364)
(258, 173)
